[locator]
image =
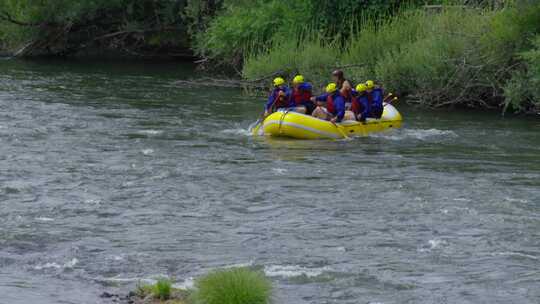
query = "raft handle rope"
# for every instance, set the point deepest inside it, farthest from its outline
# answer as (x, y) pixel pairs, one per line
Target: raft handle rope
(282, 118)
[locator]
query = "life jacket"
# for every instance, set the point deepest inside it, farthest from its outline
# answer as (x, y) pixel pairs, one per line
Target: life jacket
(375, 101)
(301, 96)
(280, 101)
(330, 104)
(357, 106)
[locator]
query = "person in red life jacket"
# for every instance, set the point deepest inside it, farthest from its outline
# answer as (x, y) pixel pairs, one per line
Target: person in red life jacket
(279, 97)
(331, 105)
(360, 104)
(301, 95)
(375, 96)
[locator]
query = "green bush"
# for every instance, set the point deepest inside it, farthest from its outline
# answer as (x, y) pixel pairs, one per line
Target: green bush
(233, 286)
(244, 27)
(254, 26)
(162, 289)
(456, 56)
(312, 57)
(444, 64)
(523, 90)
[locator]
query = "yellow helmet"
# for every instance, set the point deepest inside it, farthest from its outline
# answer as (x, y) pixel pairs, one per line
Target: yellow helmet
(298, 79)
(370, 84)
(361, 88)
(279, 82)
(331, 87)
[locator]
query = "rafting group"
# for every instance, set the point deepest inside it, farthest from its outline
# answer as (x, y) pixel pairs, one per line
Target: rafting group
(339, 102)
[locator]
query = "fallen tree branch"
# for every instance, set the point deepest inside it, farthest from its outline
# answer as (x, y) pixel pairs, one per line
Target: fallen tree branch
(219, 83)
(130, 32)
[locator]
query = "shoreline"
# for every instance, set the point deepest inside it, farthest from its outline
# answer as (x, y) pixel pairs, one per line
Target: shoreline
(233, 81)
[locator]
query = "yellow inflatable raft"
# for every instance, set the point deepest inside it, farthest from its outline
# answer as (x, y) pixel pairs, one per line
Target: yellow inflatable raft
(296, 125)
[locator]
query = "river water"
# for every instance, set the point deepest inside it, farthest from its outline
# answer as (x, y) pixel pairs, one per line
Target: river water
(110, 175)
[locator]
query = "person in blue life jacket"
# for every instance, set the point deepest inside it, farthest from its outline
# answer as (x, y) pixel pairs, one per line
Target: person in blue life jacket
(279, 97)
(331, 105)
(301, 95)
(375, 97)
(360, 103)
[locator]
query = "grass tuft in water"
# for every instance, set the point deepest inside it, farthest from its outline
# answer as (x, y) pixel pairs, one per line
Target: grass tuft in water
(162, 289)
(233, 286)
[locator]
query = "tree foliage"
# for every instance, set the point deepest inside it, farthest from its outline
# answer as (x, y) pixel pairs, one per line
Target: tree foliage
(252, 26)
(65, 26)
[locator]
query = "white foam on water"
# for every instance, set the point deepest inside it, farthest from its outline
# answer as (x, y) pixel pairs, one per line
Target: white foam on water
(239, 265)
(149, 280)
(69, 264)
(44, 219)
(128, 280)
(433, 244)
(280, 171)
(150, 132)
(117, 258)
(47, 265)
(93, 201)
(462, 200)
(290, 271)
(239, 131)
(436, 243)
(147, 151)
(518, 254)
(188, 283)
(516, 200)
(161, 175)
(72, 263)
(418, 134)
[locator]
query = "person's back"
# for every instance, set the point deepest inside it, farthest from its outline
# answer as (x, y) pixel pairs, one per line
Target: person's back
(334, 109)
(325, 103)
(375, 97)
(301, 95)
(338, 109)
(279, 97)
(360, 104)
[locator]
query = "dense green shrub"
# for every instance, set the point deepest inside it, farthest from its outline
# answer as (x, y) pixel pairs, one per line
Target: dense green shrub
(162, 289)
(249, 26)
(233, 286)
(253, 26)
(523, 90)
(455, 56)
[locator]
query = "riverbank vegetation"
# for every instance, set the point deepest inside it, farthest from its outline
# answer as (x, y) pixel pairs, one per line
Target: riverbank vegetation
(239, 285)
(480, 54)
(452, 56)
(140, 28)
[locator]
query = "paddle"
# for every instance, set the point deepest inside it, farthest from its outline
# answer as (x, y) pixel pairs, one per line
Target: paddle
(335, 125)
(391, 98)
(340, 131)
(262, 117)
